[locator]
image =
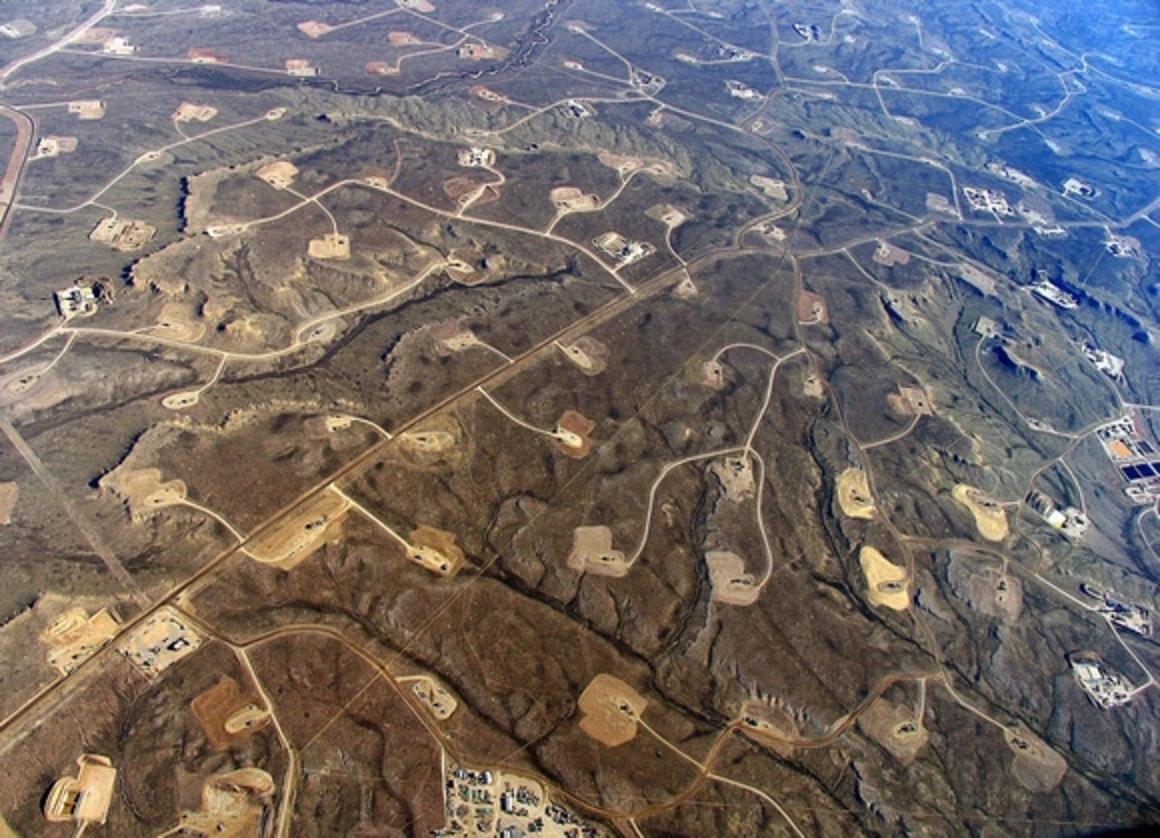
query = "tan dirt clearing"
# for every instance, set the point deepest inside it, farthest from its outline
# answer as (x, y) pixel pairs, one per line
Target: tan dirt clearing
(592, 553)
(1036, 766)
(279, 174)
(74, 636)
(730, 582)
(571, 199)
(574, 430)
(227, 714)
(587, 353)
(610, 710)
(769, 724)
(990, 518)
(179, 322)
(894, 728)
(302, 531)
(9, 493)
(331, 246)
(232, 804)
(854, 494)
(811, 309)
(886, 582)
(770, 187)
(143, 490)
(436, 551)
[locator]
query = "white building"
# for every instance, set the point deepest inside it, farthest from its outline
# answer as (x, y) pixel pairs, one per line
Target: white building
(77, 301)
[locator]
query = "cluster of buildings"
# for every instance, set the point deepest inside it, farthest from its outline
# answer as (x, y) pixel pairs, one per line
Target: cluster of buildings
(1070, 521)
(1105, 688)
(1126, 615)
(1126, 444)
(476, 157)
(505, 805)
(1123, 247)
(76, 301)
(648, 83)
(624, 251)
(161, 641)
(1076, 187)
(1110, 365)
(1052, 293)
(118, 45)
(987, 200)
(740, 90)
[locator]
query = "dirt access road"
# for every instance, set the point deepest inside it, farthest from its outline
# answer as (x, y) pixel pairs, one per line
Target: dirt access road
(20, 149)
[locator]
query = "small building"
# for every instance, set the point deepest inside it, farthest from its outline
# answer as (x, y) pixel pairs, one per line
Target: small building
(118, 45)
(77, 301)
(477, 157)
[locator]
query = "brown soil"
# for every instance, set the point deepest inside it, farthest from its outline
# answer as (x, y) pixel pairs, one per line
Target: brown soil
(279, 174)
(995, 595)
(894, 728)
(188, 112)
(381, 68)
(571, 199)
(580, 425)
(886, 582)
(888, 255)
(588, 354)
(770, 187)
(179, 322)
(301, 532)
(73, 636)
(1036, 766)
(620, 162)
(713, 375)
(460, 186)
(143, 490)
(331, 246)
(667, 214)
(439, 444)
(730, 582)
(854, 494)
(610, 709)
(990, 519)
(592, 553)
(769, 724)
(735, 474)
(207, 55)
(402, 39)
(227, 714)
(232, 804)
(314, 28)
(436, 551)
(9, 493)
(811, 309)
